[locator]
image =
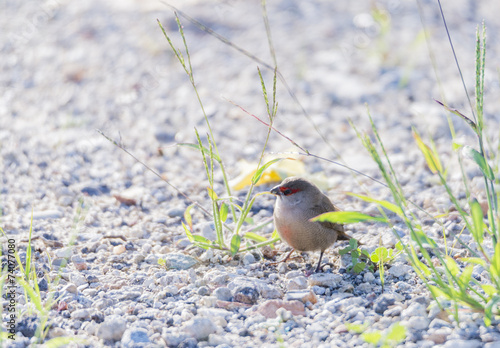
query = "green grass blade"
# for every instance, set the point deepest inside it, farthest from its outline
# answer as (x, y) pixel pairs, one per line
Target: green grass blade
(258, 174)
(254, 236)
(478, 223)
(387, 205)
(347, 217)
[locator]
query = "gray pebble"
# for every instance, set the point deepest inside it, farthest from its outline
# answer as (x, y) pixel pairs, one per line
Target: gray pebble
(199, 328)
(134, 336)
(112, 328)
(223, 294)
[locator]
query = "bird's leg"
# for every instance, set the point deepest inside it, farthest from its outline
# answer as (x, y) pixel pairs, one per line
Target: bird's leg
(284, 260)
(319, 262)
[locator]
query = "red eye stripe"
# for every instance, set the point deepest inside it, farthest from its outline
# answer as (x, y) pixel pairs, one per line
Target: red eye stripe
(288, 191)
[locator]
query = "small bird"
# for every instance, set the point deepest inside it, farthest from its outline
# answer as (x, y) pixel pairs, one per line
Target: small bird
(299, 200)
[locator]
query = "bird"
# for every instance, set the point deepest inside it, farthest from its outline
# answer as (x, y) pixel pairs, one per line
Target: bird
(298, 201)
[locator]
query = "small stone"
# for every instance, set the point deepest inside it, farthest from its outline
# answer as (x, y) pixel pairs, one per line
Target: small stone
(203, 291)
(417, 323)
(414, 310)
(47, 214)
(268, 309)
(223, 294)
(133, 337)
(81, 314)
(303, 296)
(393, 312)
(399, 270)
(297, 283)
(112, 328)
(179, 261)
(175, 212)
(64, 253)
(174, 339)
(368, 277)
(318, 290)
(78, 279)
(462, 344)
(71, 288)
(327, 280)
(383, 302)
(200, 328)
(282, 268)
(248, 259)
(119, 249)
(245, 294)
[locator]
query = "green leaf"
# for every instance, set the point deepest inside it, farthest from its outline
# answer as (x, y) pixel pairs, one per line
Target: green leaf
(353, 243)
(187, 216)
(359, 267)
(275, 234)
(451, 265)
(255, 237)
(495, 262)
(474, 260)
(211, 193)
(437, 292)
(489, 290)
(235, 244)
(387, 205)
(201, 239)
(465, 277)
(347, 217)
(399, 246)
(478, 223)
(372, 337)
(188, 232)
(374, 258)
(397, 333)
(422, 237)
(474, 155)
(223, 212)
(258, 174)
(344, 251)
(202, 149)
(356, 328)
(488, 310)
(430, 156)
(381, 253)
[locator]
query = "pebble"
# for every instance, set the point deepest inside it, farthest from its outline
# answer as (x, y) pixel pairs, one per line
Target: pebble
(112, 328)
(179, 261)
(383, 302)
(325, 279)
(135, 337)
(268, 308)
(200, 328)
(223, 294)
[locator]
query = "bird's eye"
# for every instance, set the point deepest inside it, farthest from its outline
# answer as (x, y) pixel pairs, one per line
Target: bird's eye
(287, 191)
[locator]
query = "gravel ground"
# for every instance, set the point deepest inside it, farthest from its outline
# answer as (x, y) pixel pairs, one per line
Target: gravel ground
(71, 67)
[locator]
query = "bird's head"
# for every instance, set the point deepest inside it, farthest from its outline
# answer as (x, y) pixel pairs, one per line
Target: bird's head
(294, 190)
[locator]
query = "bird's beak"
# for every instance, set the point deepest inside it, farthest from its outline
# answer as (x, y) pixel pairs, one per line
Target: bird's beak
(276, 191)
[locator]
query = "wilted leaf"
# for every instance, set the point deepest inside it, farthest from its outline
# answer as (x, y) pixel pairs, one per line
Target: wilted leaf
(430, 157)
(211, 193)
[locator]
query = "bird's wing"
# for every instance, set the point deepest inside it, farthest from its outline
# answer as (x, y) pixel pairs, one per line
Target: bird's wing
(325, 206)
